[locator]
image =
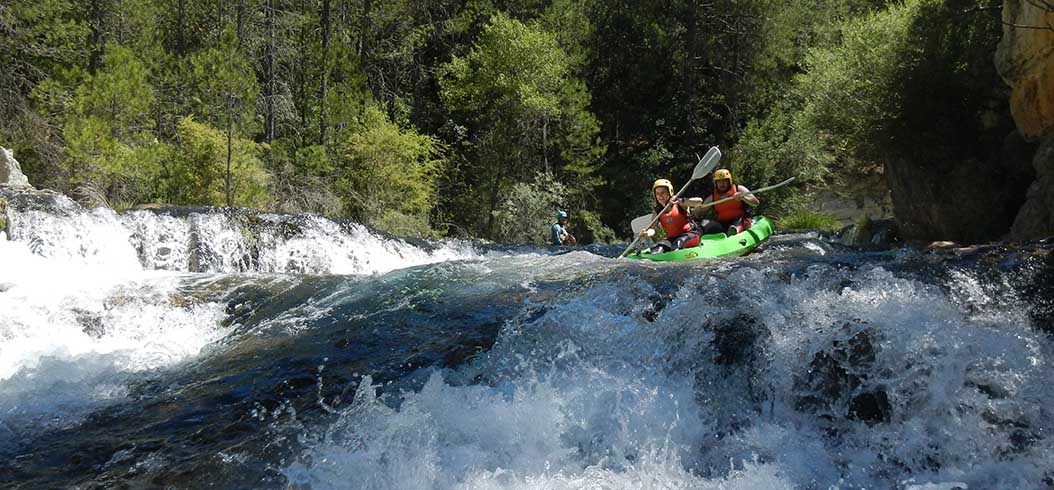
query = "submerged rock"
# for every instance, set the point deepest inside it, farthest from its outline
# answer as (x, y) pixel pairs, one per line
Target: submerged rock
(837, 384)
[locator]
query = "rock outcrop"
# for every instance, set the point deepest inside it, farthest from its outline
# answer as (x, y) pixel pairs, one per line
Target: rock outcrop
(11, 178)
(1036, 217)
(10, 171)
(1025, 60)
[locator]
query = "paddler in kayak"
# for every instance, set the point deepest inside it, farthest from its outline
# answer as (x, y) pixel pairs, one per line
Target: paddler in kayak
(681, 231)
(732, 216)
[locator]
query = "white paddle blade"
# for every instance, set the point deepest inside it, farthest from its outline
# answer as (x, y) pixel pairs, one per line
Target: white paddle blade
(707, 164)
(640, 223)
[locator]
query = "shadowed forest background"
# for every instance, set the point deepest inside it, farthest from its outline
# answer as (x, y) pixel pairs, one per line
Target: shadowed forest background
(481, 118)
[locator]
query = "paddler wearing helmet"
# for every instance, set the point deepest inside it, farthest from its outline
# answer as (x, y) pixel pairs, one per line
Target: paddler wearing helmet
(681, 230)
(732, 216)
(560, 235)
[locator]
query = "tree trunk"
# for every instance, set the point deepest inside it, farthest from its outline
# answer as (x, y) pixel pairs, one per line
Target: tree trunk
(302, 78)
(230, 148)
(239, 21)
(365, 27)
(181, 46)
(325, 76)
(96, 35)
(364, 31)
(269, 87)
(545, 143)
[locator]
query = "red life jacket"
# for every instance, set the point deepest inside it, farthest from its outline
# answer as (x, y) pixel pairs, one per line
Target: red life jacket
(675, 221)
(731, 210)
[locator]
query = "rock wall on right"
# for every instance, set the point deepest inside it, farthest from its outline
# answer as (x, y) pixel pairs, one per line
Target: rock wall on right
(1025, 61)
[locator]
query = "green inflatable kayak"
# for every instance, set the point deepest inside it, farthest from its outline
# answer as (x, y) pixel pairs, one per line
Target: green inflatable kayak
(717, 245)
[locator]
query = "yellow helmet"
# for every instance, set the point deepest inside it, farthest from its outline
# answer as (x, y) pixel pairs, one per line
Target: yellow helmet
(724, 173)
(662, 183)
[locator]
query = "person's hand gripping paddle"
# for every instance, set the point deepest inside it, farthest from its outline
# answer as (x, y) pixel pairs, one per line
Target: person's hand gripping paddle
(705, 166)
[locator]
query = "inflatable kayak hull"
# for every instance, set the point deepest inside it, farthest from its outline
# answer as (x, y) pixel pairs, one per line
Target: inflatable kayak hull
(716, 245)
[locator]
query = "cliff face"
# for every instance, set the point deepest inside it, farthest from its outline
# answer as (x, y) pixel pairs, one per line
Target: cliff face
(1025, 60)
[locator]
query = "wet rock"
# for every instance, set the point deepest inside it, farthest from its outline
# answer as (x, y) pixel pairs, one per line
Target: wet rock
(837, 383)
(1038, 293)
(91, 323)
(10, 171)
(867, 232)
(872, 407)
(736, 342)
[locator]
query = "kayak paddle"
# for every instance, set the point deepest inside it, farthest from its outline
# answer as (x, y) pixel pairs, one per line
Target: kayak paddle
(705, 166)
(729, 198)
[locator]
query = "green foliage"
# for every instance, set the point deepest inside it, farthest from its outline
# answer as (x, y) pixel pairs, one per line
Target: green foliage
(525, 114)
(866, 95)
(303, 180)
(38, 40)
(828, 120)
(414, 115)
(226, 83)
(388, 174)
(197, 167)
(527, 212)
(593, 230)
(807, 219)
(109, 146)
(847, 89)
(512, 66)
(789, 30)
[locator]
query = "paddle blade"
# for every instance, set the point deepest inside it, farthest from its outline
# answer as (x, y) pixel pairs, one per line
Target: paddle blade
(640, 223)
(707, 164)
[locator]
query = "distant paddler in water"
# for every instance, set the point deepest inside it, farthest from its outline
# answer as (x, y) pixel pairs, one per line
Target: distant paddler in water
(560, 235)
(681, 231)
(733, 215)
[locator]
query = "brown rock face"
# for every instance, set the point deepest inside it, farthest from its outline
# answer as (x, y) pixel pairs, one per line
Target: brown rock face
(1036, 217)
(968, 201)
(1025, 60)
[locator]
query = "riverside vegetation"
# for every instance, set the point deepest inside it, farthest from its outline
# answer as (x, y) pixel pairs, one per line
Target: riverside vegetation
(480, 118)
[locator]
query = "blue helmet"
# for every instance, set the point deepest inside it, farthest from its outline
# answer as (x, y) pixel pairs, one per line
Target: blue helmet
(561, 214)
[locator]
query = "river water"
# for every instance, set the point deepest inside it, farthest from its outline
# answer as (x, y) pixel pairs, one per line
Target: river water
(211, 349)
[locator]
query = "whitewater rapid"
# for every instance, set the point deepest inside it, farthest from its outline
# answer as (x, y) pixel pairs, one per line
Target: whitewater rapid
(211, 349)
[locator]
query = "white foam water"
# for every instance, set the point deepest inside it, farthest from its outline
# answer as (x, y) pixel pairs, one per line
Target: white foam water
(90, 298)
(74, 332)
(593, 395)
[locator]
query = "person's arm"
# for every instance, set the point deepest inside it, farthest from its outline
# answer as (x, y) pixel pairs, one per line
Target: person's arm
(749, 199)
(691, 202)
(696, 202)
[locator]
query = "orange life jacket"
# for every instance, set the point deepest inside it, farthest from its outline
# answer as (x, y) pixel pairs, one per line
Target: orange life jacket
(675, 221)
(731, 210)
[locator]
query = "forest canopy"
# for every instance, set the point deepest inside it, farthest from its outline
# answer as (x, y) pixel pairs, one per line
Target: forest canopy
(482, 118)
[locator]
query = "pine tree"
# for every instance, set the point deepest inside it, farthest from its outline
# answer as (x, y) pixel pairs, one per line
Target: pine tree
(228, 89)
